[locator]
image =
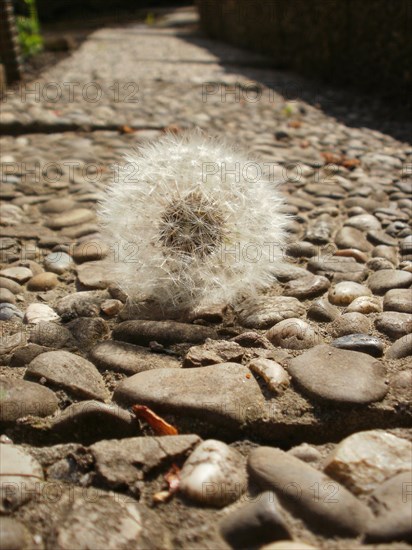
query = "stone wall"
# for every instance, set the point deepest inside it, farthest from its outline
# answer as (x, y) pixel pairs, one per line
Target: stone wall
(365, 43)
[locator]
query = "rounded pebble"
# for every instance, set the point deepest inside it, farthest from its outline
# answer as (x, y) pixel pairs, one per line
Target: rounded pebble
(58, 262)
(293, 334)
(214, 474)
(339, 375)
(387, 279)
(43, 281)
(342, 294)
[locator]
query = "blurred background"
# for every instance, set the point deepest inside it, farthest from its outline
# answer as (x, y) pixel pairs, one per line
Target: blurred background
(362, 44)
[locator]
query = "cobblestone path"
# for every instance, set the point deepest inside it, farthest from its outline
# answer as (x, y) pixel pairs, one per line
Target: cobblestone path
(293, 408)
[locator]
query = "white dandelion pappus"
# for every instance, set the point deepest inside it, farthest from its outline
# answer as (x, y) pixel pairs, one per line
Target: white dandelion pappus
(188, 226)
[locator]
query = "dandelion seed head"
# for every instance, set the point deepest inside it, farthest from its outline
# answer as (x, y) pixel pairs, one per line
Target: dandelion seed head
(182, 228)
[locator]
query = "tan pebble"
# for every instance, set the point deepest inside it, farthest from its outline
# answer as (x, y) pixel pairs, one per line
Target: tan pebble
(365, 304)
(43, 281)
(275, 376)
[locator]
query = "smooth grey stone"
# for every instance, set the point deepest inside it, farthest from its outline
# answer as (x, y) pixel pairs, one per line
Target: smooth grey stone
(120, 462)
(90, 421)
(394, 324)
(8, 311)
(51, 335)
(308, 493)
(163, 332)
(293, 334)
(6, 296)
(387, 279)
(90, 250)
(266, 311)
(18, 274)
(320, 232)
(306, 452)
(387, 252)
(96, 275)
(401, 383)
(343, 376)
(391, 504)
(128, 358)
(398, 299)
(349, 237)
(71, 217)
(69, 372)
(258, 522)
(322, 310)
(21, 398)
(8, 284)
(401, 348)
(226, 394)
(363, 222)
(360, 342)
(288, 272)
(341, 268)
(342, 294)
(380, 237)
(22, 356)
(302, 249)
(306, 287)
(57, 205)
(351, 323)
(20, 477)
(58, 262)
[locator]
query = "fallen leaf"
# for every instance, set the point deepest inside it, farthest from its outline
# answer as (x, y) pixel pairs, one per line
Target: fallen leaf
(160, 426)
(126, 130)
(350, 164)
(340, 160)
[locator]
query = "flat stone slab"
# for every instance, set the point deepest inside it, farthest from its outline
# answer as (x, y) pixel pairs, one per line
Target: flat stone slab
(70, 372)
(264, 312)
(130, 359)
(308, 493)
(163, 332)
(225, 394)
(90, 421)
(20, 398)
(123, 461)
(343, 376)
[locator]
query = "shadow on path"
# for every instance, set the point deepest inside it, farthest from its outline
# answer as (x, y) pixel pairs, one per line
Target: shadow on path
(351, 107)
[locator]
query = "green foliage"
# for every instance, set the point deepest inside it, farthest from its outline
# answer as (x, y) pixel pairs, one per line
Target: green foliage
(31, 41)
(150, 19)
